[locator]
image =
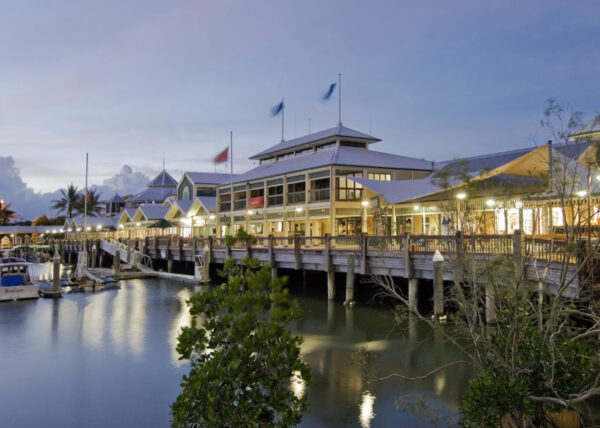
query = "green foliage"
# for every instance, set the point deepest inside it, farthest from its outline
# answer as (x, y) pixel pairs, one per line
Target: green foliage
(240, 236)
(6, 214)
(68, 202)
(243, 357)
(94, 205)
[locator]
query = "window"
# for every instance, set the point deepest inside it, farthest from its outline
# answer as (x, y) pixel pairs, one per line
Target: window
(304, 152)
(239, 200)
(348, 190)
(319, 190)
(355, 144)
(205, 191)
(225, 202)
(557, 217)
(325, 146)
(275, 195)
(185, 195)
(296, 192)
(380, 176)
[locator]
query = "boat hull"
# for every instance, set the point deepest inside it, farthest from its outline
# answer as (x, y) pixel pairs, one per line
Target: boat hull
(19, 292)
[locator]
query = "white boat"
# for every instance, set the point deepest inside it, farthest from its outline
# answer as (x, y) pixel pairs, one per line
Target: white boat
(15, 280)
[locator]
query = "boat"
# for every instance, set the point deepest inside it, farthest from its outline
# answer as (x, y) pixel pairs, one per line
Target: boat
(15, 280)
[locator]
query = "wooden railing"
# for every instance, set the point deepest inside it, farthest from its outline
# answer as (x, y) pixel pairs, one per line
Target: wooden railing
(548, 249)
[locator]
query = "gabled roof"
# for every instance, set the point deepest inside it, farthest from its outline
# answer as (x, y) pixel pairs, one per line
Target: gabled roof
(338, 131)
(209, 203)
(116, 200)
(346, 156)
(153, 194)
(477, 164)
(397, 191)
(208, 177)
(153, 211)
(79, 221)
(163, 179)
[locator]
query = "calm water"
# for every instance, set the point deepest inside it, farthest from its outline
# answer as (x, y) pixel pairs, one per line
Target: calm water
(108, 359)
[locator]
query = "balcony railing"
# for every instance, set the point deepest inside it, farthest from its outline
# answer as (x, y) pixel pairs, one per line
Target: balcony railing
(296, 197)
(275, 200)
(239, 204)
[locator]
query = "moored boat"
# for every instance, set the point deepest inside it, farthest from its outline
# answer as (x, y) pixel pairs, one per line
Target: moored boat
(15, 280)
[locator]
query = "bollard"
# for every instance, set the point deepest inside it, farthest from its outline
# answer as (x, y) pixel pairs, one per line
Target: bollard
(438, 285)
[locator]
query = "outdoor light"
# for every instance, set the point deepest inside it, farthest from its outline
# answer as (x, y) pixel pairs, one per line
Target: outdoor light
(88, 228)
(62, 231)
(48, 231)
(461, 195)
(490, 202)
(212, 216)
(121, 226)
(581, 193)
(250, 212)
(299, 209)
(598, 177)
(417, 207)
(365, 203)
(79, 229)
(138, 224)
(519, 204)
(98, 227)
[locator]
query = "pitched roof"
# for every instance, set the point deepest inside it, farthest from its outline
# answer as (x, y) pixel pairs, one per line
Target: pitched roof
(116, 200)
(208, 177)
(153, 211)
(163, 179)
(591, 127)
(346, 156)
(209, 202)
(153, 194)
(397, 191)
(338, 131)
(474, 165)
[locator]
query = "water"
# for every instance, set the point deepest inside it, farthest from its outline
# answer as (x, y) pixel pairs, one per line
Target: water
(108, 359)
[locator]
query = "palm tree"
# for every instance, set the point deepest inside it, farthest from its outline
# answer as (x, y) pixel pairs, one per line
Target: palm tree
(94, 205)
(6, 214)
(68, 202)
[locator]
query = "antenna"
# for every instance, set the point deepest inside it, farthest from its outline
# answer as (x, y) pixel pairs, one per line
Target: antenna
(340, 99)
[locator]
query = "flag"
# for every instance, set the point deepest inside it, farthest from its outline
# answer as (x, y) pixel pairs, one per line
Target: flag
(329, 92)
(222, 157)
(277, 109)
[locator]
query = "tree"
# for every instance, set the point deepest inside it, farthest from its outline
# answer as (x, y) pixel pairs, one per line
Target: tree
(69, 201)
(94, 205)
(243, 358)
(41, 220)
(6, 214)
(542, 356)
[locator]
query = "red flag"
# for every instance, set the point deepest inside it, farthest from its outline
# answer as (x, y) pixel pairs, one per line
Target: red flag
(222, 157)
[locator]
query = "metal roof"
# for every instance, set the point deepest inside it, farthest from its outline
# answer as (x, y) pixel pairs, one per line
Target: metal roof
(156, 194)
(163, 179)
(153, 211)
(209, 202)
(396, 191)
(346, 156)
(208, 177)
(477, 164)
(116, 200)
(7, 229)
(338, 131)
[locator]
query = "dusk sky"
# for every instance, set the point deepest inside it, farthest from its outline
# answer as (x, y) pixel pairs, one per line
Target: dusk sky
(129, 80)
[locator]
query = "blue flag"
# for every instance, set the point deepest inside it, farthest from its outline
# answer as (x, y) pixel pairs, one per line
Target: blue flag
(277, 109)
(329, 92)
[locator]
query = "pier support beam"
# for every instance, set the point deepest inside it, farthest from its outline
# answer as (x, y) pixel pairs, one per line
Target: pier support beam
(331, 285)
(413, 294)
(101, 260)
(117, 262)
(272, 258)
(350, 277)
(56, 273)
(491, 313)
(438, 285)
(94, 256)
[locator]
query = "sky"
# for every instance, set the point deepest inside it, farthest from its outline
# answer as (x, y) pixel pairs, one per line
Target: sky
(127, 81)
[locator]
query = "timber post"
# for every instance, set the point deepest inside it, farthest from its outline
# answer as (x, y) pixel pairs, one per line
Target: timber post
(413, 283)
(350, 277)
(297, 258)
(363, 253)
(94, 256)
(169, 256)
(272, 258)
(329, 269)
(491, 311)
(438, 285)
(117, 261)
(518, 251)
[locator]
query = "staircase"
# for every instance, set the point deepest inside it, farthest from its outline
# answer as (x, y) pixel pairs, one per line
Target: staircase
(137, 259)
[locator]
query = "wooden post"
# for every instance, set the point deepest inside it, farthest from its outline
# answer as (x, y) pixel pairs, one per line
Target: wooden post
(94, 256)
(363, 253)
(331, 285)
(413, 294)
(56, 273)
(329, 268)
(272, 258)
(460, 250)
(517, 251)
(491, 312)
(406, 251)
(207, 257)
(194, 248)
(438, 285)
(297, 257)
(117, 261)
(169, 256)
(180, 248)
(350, 280)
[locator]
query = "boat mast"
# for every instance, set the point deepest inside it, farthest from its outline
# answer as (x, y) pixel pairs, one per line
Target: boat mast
(85, 201)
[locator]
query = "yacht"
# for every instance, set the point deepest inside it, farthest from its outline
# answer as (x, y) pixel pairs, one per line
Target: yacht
(15, 280)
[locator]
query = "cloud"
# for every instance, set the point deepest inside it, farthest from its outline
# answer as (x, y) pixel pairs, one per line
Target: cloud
(28, 204)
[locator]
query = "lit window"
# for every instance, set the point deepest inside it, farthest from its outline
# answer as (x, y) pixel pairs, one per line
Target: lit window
(557, 217)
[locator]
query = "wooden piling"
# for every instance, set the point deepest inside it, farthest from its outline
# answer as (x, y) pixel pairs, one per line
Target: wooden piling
(438, 285)
(350, 276)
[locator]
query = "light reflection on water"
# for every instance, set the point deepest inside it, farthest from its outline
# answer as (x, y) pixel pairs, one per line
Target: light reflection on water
(109, 359)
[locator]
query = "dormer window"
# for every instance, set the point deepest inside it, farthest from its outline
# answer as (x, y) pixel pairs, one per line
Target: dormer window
(326, 146)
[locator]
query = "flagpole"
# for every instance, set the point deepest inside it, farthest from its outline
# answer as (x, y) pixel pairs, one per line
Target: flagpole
(282, 115)
(339, 99)
(85, 197)
(231, 178)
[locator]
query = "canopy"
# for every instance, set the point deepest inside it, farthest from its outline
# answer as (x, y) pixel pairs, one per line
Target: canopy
(162, 224)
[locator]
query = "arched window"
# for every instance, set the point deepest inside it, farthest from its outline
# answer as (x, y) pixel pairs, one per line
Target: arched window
(186, 194)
